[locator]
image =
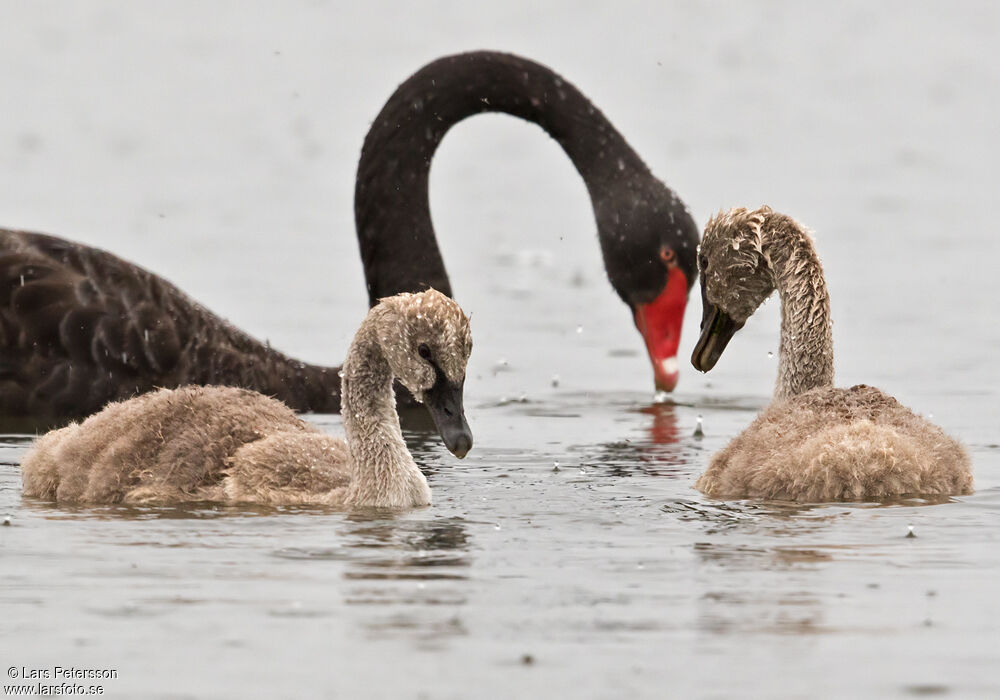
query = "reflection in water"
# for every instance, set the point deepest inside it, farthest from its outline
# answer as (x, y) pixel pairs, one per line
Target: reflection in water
(761, 613)
(662, 454)
(731, 512)
(747, 603)
(412, 569)
(758, 557)
(182, 511)
(750, 577)
(370, 530)
(781, 518)
(663, 431)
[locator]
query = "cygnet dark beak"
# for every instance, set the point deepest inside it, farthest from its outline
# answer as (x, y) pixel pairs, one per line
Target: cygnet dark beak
(717, 329)
(444, 401)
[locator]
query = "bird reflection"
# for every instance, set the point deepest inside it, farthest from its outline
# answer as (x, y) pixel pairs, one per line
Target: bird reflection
(413, 542)
(757, 605)
(406, 576)
(384, 549)
(662, 453)
(663, 430)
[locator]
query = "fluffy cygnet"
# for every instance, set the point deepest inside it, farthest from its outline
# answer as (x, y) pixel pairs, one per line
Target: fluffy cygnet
(232, 445)
(813, 442)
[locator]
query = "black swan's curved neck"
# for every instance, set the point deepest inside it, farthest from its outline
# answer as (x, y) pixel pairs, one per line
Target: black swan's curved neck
(392, 209)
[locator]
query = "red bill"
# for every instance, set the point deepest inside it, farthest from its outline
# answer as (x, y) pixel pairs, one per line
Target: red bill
(660, 323)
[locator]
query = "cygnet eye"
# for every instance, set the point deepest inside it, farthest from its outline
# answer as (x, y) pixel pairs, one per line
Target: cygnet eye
(424, 351)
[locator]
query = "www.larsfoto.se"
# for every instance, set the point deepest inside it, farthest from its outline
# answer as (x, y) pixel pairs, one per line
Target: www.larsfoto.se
(47, 689)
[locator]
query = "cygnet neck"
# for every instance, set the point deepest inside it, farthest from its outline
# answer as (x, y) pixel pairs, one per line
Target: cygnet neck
(805, 355)
(380, 460)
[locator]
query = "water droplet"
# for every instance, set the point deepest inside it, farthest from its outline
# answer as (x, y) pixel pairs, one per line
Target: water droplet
(910, 532)
(22, 280)
(579, 329)
(145, 335)
(497, 526)
(555, 380)
(698, 431)
(555, 466)
(770, 354)
(340, 374)
(6, 521)
(621, 164)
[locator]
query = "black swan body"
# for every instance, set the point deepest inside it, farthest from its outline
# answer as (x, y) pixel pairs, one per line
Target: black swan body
(80, 327)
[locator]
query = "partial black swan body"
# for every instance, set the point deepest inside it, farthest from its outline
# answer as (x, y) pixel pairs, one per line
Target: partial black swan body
(80, 327)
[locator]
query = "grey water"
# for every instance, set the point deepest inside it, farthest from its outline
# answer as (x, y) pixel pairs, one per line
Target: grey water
(568, 555)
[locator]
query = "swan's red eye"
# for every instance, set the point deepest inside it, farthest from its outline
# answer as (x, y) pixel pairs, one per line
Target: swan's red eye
(424, 351)
(668, 256)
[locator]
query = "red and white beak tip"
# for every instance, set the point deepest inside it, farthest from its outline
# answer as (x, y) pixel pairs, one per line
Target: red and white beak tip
(666, 372)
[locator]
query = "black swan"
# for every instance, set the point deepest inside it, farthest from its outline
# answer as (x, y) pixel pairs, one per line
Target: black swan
(80, 327)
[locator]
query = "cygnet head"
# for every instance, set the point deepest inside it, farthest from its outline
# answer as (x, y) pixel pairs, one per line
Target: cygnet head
(426, 340)
(736, 278)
